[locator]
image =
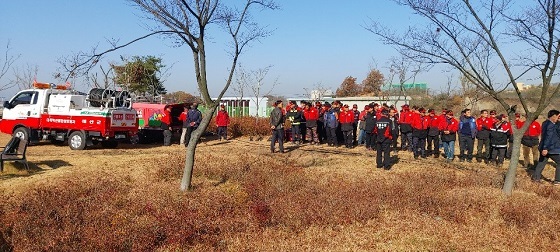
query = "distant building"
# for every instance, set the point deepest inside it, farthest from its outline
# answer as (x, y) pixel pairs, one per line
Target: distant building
(522, 86)
(406, 86)
(246, 106)
(319, 94)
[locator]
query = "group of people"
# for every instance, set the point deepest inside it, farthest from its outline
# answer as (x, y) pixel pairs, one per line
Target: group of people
(190, 119)
(422, 132)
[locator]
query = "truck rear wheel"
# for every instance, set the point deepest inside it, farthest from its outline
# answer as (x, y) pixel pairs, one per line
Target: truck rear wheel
(77, 140)
(22, 132)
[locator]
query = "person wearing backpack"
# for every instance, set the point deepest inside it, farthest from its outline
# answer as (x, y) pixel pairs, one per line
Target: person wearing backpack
(530, 142)
(331, 123)
(383, 129)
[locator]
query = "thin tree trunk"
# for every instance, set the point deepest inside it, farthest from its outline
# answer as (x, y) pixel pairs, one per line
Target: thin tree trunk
(191, 148)
(509, 181)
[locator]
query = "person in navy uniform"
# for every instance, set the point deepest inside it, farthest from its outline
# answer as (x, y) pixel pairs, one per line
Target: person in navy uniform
(384, 131)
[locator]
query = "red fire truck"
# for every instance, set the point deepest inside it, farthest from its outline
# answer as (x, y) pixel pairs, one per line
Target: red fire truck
(51, 112)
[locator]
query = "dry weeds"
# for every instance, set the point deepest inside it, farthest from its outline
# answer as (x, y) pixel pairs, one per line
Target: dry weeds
(244, 198)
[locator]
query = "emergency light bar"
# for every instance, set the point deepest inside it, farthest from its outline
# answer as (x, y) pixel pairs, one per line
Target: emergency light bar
(40, 85)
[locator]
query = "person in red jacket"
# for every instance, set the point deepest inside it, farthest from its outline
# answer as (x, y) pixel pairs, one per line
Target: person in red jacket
(483, 125)
(166, 126)
(433, 133)
(420, 125)
(405, 122)
(530, 142)
(222, 121)
(346, 119)
(311, 115)
(448, 128)
(499, 135)
(183, 118)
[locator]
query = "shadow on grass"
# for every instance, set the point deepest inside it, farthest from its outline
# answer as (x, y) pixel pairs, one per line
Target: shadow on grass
(17, 169)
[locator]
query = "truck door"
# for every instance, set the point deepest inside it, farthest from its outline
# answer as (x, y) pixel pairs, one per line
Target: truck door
(22, 107)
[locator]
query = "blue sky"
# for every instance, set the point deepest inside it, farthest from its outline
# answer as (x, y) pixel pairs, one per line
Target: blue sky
(315, 41)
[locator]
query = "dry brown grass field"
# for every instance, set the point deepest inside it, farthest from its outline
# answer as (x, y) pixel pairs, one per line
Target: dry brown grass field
(312, 198)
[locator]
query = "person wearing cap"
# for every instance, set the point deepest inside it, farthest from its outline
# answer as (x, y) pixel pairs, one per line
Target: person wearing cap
(277, 119)
(393, 116)
(295, 116)
(530, 142)
(331, 123)
(311, 115)
(433, 133)
(183, 118)
(448, 128)
(420, 133)
(549, 146)
(467, 134)
(483, 126)
(499, 135)
(222, 121)
(346, 119)
(303, 123)
(194, 117)
(405, 123)
(493, 115)
(370, 119)
(362, 126)
(320, 122)
(383, 129)
(510, 139)
(355, 124)
(166, 126)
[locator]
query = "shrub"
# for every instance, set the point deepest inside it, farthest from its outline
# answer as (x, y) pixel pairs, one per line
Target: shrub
(244, 126)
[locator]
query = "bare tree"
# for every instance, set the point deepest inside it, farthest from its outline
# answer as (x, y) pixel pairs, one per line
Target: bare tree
(189, 21)
(405, 70)
(6, 63)
(473, 38)
(24, 77)
(241, 81)
(102, 79)
(257, 83)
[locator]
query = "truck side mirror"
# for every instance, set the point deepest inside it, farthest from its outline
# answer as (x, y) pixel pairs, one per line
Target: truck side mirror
(7, 105)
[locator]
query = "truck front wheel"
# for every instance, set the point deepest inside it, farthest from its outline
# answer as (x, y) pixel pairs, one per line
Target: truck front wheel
(77, 140)
(22, 132)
